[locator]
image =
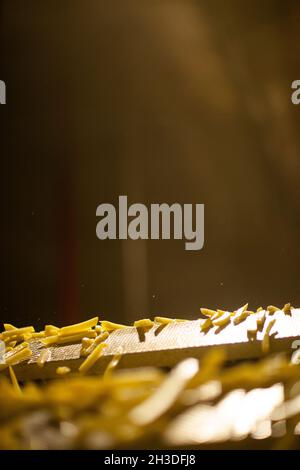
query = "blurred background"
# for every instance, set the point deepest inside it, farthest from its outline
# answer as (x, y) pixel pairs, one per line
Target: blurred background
(163, 101)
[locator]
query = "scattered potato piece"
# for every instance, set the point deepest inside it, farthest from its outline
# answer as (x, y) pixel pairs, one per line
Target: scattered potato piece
(287, 308)
(164, 320)
(9, 327)
(44, 356)
(206, 324)
(92, 358)
(265, 345)
(261, 317)
(63, 370)
(272, 309)
(251, 324)
(144, 323)
(14, 381)
(222, 320)
(110, 326)
(78, 327)
(241, 314)
(17, 332)
(207, 312)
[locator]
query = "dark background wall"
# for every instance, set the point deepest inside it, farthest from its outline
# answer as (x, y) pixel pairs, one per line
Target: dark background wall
(165, 101)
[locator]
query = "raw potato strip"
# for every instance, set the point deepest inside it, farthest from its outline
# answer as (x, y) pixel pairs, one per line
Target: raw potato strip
(92, 358)
(207, 312)
(145, 323)
(261, 318)
(57, 339)
(78, 327)
(76, 338)
(113, 363)
(16, 350)
(287, 309)
(21, 355)
(218, 314)
(241, 314)
(38, 335)
(49, 340)
(265, 345)
(9, 327)
(251, 324)
(166, 394)
(17, 332)
(63, 370)
(222, 320)
(164, 320)
(43, 357)
(95, 343)
(86, 342)
(51, 330)
(271, 309)
(14, 381)
(110, 326)
(206, 325)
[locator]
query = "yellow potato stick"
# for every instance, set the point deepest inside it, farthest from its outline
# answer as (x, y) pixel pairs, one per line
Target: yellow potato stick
(44, 356)
(261, 317)
(164, 320)
(51, 330)
(57, 339)
(86, 342)
(206, 325)
(27, 336)
(271, 309)
(222, 320)
(17, 332)
(38, 335)
(241, 309)
(9, 327)
(207, 312)
(19, 356)
(49, 340)
(92, 358)
(110, 326)
(216, 315)
(76, 337)
(251, 324)
(14, 381)
(287, 309)
(78, 327)
(144, 323)
(265, 345)
(95, 342)
(16, 349)
(113, 364)
(240, 315)
(102, 337)
(63, 370)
